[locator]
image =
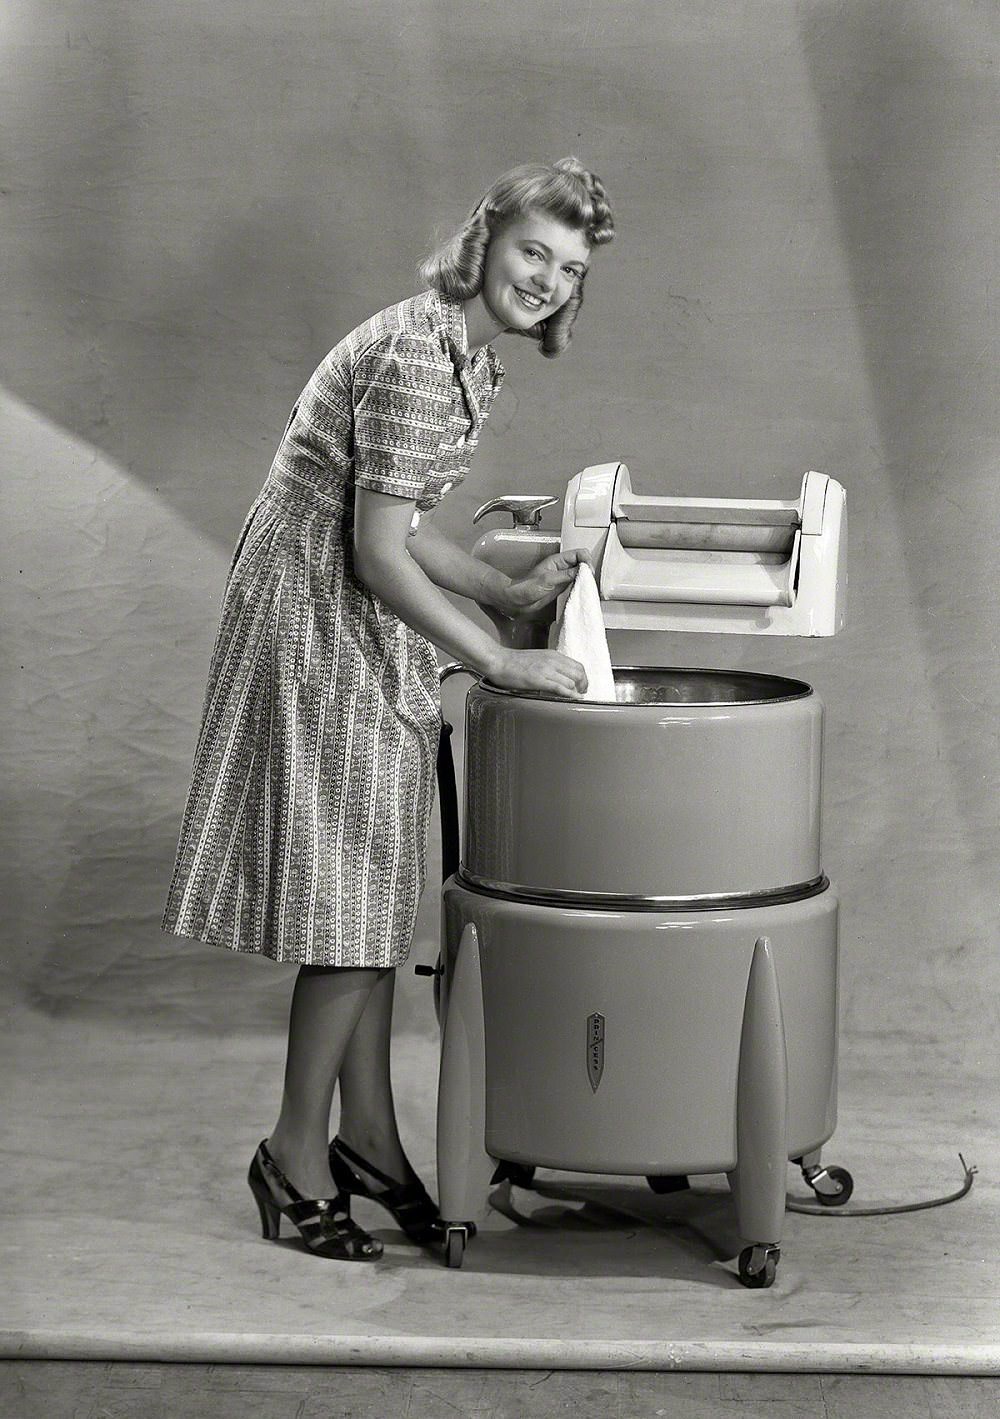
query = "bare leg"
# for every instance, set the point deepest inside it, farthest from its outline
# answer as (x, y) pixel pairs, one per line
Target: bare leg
(367, 1111)
(327, 1004)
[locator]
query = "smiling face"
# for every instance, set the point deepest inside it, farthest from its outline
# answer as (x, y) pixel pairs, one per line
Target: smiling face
(532, 265)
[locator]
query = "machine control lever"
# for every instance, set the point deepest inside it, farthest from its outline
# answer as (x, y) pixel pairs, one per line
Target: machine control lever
(525, 508)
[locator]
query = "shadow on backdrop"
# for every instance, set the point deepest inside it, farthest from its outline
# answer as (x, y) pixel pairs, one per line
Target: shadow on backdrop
(904, 95)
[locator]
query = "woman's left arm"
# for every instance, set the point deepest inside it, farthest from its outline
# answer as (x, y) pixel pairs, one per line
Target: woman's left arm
(453, 569)
(448, 566)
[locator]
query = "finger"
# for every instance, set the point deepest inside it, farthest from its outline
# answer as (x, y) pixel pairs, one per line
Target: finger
(577, 673)
(561, 678)
(564, 688)
(563, 576)
(559, 562)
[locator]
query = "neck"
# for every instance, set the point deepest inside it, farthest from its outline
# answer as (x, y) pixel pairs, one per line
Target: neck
(481, 324)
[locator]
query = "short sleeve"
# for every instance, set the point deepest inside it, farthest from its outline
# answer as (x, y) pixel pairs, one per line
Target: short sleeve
(403, 389)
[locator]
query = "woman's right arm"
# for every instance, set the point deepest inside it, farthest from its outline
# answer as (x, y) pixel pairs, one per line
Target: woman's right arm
(382, 562)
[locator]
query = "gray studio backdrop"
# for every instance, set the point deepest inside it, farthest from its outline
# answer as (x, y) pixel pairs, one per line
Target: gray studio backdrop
(199, 200)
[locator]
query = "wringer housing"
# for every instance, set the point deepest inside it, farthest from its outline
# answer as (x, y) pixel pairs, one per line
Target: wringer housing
(755, 567)
(639, 957)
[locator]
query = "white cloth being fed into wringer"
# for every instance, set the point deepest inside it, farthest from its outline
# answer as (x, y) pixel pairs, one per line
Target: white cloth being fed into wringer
(580, 634)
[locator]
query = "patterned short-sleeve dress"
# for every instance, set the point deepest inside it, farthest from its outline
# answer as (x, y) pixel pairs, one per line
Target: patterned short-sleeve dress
(305, 831)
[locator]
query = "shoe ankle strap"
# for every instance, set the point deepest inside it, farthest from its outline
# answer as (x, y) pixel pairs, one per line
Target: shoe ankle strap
(360, 1162)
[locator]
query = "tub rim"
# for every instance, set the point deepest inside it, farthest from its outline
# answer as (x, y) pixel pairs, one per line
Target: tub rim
(800, 691)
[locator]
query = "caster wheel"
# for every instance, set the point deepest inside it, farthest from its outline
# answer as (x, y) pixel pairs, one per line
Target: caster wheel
(758, 1266)
(454, 1247)
(831, 1186)
(844, 1184)
(665, 1182)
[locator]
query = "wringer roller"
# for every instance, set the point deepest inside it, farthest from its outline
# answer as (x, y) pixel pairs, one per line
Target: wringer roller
(638, 967)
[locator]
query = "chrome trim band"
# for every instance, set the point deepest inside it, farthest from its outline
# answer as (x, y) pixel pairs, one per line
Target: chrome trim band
(614, 901)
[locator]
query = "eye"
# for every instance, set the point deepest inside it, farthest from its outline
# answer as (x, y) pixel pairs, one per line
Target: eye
(532, 251)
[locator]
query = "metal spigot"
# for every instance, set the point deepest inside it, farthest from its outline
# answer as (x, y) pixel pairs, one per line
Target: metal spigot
(526, 508)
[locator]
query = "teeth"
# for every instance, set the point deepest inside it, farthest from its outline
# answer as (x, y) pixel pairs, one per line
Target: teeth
(534, 301)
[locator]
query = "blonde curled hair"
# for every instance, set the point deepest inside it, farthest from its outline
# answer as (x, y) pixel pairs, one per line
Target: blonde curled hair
(564, 190)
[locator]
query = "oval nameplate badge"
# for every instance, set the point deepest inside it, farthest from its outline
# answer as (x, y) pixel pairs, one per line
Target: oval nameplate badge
(595, 1049)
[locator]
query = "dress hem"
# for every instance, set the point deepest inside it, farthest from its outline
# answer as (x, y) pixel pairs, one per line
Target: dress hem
(238, 950)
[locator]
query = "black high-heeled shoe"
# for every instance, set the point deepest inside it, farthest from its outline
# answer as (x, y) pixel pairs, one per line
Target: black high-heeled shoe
(414, 1210)
(324, 1224)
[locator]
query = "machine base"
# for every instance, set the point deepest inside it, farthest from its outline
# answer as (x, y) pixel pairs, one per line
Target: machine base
(655, 1044)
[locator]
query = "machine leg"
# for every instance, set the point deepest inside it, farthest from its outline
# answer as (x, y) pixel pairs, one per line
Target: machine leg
(758, 1180)
(463, 1165)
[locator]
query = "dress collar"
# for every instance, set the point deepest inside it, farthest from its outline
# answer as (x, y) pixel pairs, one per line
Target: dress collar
(453, 312)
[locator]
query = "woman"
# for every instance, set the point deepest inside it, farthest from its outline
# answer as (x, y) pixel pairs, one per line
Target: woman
(304, 836)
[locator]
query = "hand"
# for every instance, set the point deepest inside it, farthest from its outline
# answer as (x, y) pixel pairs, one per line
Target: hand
(544, 582)
(545, 670)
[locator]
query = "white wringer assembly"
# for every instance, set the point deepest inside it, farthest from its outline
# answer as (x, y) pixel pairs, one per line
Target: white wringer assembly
(639, 947)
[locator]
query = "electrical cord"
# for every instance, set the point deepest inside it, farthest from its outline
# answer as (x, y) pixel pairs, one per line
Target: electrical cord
(502, 1201)
(813, 1211)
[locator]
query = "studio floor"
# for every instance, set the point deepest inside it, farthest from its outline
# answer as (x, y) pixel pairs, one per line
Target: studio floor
(130, 1234)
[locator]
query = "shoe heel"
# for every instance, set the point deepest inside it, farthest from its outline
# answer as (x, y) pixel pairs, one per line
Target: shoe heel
(270, 1213)
(270, 1220)
(324, 1224)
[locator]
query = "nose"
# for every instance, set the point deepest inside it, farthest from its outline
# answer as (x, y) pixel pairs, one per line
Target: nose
(544, 280)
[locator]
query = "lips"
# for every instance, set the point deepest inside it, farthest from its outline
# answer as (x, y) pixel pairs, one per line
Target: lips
(528, 300)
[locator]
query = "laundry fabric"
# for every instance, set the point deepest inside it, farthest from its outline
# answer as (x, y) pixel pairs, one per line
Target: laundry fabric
(581, 635)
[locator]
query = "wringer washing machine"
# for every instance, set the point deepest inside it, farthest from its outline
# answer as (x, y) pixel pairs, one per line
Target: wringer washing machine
(639, 947)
